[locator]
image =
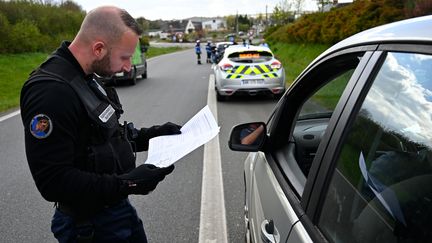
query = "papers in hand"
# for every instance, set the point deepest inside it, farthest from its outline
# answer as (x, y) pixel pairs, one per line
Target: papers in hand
(166, 150)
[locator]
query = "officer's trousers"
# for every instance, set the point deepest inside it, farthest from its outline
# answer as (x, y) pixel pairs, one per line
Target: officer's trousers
(117, 224)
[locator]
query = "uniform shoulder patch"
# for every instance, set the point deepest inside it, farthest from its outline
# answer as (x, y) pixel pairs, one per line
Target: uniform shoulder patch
(41, 126)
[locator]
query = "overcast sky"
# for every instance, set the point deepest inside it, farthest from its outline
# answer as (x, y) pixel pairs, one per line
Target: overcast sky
(181, 9)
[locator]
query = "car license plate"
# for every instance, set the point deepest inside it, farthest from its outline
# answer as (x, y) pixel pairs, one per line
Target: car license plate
(252, 81)
(120, 74)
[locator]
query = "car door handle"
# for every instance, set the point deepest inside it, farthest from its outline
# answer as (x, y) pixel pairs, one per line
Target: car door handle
(269, 232)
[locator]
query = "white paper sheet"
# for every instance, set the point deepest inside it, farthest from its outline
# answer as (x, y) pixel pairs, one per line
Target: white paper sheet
(166, 150)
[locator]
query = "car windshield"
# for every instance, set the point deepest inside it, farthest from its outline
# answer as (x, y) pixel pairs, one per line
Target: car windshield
(250, 56)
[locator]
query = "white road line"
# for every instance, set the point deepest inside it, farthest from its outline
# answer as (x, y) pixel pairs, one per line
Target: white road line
(3, 118)
(212, 217)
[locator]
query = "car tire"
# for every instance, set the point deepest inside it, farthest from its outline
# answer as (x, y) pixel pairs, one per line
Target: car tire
(278, 96)
(220, 97)
(144, 75)
(133, 80)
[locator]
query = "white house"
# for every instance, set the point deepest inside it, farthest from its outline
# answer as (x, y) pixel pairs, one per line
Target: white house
(214, 25)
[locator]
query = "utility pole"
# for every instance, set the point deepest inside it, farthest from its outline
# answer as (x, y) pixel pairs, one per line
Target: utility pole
(236, 22)
(266, 22)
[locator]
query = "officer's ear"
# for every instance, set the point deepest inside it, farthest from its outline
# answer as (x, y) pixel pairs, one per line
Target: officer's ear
(100, 49)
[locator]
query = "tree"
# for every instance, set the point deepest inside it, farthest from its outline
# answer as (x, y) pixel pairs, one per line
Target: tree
(231, 22)
(298, 6)
(4, 32)
(322, 3)
(281, 13)
(143, 23)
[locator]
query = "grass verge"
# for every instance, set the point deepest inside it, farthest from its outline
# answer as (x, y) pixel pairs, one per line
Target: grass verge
(295, 57)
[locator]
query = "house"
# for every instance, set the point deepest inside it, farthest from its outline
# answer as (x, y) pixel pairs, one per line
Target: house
(193, 26)
(214, 25)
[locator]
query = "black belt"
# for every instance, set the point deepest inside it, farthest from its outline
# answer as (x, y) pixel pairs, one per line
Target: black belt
(84, 212)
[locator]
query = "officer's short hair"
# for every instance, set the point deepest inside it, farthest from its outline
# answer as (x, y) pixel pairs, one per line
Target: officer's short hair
(130, 22)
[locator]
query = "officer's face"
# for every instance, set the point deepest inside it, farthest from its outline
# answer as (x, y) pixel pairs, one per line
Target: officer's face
(122, 52)
(118, 56)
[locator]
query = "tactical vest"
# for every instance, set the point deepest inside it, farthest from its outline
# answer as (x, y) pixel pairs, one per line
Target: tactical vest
(109, 150)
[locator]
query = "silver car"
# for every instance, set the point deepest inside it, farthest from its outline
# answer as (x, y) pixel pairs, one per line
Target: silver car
(247, 69)
(346, 156)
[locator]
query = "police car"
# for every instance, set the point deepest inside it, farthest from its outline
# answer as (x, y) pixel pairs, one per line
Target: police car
(248, 69)
(346, 156)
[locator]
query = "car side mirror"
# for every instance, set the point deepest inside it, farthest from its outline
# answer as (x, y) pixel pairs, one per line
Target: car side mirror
(144, 48)
(248, 137)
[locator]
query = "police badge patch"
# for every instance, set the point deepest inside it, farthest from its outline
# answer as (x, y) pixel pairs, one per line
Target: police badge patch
(41, 126)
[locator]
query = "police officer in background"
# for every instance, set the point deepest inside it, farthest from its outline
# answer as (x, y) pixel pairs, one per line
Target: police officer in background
(198, 51)
(79, 155)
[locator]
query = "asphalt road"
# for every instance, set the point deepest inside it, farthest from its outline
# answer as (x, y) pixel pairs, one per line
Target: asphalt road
(175, 90)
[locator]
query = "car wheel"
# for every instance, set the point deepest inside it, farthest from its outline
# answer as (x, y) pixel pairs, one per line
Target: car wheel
(134, 79)
(144, 75)
(278, 96)
(220, 97)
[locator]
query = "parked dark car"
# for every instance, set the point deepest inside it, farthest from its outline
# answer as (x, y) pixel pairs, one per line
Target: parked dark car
(346, 156)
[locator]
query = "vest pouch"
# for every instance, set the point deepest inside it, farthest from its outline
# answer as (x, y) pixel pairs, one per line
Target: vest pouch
(125, 154)
(115, 156)
(103, 158)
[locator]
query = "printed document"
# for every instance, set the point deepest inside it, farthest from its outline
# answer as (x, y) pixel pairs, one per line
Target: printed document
(166, 150)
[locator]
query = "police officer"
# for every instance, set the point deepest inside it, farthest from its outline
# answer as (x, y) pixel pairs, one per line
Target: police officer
(208, 51)
(79, 155)
(198, 51)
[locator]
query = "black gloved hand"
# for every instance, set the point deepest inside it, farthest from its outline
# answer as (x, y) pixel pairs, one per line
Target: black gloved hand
(145, 134)
(144, 178)
(168, 128)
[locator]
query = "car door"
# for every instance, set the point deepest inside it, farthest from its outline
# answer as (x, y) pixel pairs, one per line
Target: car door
(302, 123)
(375, 177)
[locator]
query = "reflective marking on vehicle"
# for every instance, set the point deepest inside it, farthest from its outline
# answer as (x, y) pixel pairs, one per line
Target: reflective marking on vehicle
(259, 69)
(252, 70)
(240, 69)
(249, 70)
(233, 76)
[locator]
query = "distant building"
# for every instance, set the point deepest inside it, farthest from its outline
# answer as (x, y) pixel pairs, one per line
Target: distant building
(154, 33)
(214, 25)
(193, 26)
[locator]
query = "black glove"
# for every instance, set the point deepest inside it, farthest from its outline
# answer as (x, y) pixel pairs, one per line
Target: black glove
(144, 178)
(145, 134)
(168, 128)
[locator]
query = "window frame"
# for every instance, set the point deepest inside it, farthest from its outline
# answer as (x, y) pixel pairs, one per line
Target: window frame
(331, 152)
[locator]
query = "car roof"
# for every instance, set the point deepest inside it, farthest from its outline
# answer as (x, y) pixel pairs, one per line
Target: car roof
(242, 48)
(405, 31)
(224, 43)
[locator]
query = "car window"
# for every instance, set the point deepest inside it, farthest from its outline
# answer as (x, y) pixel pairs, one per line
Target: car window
(313, 99)
(316, 111)
(381, 188)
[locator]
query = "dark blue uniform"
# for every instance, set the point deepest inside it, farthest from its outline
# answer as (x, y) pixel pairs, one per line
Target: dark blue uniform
(198, 52)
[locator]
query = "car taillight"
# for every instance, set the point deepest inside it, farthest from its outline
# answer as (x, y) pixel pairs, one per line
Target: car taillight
(276, 65)
(226, 67)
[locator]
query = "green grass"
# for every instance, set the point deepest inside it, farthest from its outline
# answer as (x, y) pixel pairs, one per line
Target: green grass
(295, 57)
(156, 51)
(15, 68)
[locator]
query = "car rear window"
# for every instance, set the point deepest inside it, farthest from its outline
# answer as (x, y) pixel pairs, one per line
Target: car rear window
(250, 56)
